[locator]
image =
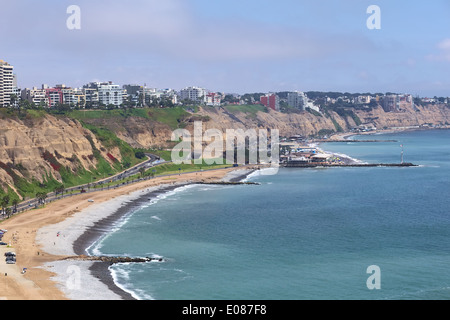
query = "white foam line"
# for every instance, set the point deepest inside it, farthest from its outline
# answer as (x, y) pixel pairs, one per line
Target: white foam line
(58, 239)
(336, 154)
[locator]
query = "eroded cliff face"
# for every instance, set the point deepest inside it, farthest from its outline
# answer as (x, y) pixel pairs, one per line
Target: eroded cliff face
(307, 124)
(145, 133)
(408, 116)
(37, 148)
(288, 124)
(137, 132)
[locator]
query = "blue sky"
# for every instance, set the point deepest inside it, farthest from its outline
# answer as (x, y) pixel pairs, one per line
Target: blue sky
(232, 46)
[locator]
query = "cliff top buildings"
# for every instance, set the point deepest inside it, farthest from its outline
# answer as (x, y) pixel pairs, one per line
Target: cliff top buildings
(271, 101)
(6, 83)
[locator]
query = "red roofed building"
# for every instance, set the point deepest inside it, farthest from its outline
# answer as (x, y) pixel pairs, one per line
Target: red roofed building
(271, 101)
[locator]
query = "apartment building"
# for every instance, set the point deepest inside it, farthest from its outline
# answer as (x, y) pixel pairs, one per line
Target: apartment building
(271, 101)
(109, 93)
(35, 95)
(195, 94)
(6, 83)
(297, 100)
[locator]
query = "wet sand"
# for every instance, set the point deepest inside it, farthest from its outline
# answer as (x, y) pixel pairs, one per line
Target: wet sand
(43, 237)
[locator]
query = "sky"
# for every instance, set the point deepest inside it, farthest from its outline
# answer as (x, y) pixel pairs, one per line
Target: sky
(232, 46)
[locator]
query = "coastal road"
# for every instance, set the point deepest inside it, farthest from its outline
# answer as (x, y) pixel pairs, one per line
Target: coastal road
(152, 161)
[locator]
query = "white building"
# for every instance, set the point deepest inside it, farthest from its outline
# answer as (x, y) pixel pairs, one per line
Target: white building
(34, 95)
(195, 94)
(363, 99)
(213, 99)
(109, 93)
(6, 83)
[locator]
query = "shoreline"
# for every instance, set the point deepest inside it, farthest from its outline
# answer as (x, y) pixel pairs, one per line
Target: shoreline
(101, 269)
(43, 237)
(95, 233)
(346, 135)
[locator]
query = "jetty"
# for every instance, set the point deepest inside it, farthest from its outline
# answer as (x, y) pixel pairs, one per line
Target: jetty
(352, 165)
(229, 182)
(346, 140)
(112, 260)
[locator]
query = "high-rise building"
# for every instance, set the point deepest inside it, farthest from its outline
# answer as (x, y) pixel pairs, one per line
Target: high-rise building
(297, 100)
(271, 101)
(6, 83)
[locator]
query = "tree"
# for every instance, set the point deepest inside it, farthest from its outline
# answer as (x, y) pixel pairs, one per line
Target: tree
(142, 171)
(4, 202)
(13, 100)
(139, 154)
(41, 196)
(8, 212)
(59, 189)
(15, 202)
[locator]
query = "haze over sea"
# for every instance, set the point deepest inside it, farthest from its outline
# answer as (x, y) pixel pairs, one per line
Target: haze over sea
(301, 234)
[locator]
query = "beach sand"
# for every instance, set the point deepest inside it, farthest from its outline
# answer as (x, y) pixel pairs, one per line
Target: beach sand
(42, 238)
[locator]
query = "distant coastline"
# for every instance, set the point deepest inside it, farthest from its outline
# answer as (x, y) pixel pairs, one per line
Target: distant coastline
(347, 135)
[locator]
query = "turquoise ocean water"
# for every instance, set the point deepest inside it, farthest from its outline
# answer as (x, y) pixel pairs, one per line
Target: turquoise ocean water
(301, 234)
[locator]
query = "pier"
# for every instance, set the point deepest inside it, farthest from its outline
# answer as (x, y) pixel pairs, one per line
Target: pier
(344, 140)
(232, 183)
(350, 165)
(113, 260)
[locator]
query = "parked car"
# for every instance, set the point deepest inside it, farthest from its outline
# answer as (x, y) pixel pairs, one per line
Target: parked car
(10, 261)
(10, 254)
(3, 244)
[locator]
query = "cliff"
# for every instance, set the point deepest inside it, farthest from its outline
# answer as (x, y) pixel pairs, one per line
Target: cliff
(44, 148)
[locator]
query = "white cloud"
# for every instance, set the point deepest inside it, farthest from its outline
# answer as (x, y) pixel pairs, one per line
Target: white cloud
(444, 52)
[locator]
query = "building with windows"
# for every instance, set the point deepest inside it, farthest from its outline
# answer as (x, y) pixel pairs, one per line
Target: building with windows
(271, 101)
(213, 99)
(90, 96)
(109, 93)
(35, 96)
(6, 83)
(54, 96)
(391, 103)
(194, 94)
(297, 100)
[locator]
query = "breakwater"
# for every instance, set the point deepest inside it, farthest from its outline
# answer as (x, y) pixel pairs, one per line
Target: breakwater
(229, 182)
(344, 140)
(357, 165)
(113, 260)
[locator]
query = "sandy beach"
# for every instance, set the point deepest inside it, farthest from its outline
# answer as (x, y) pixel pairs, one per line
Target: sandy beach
(42, 238)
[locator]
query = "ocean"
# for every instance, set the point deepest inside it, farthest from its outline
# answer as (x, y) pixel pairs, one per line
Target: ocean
(302, 234)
